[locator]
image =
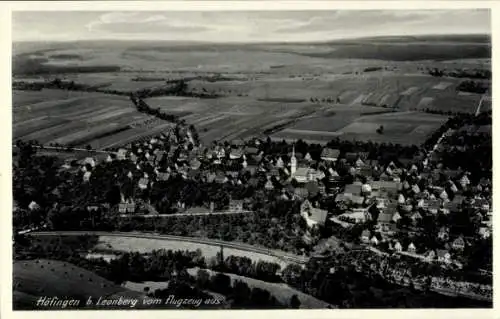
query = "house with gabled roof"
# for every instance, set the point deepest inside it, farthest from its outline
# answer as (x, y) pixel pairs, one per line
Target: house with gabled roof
(143, 183)
(236, 153)
(163, 176)
(121, 154)
(484, 232)
(314, 216)
(432, 205)
(86, 177)
(481, 203)
(412, 248)
(458, 243)
(353, 189)
(443, 256)
(398, 247)
(269, 184)
(300, 193)
(384, 220)
(328, 154)
(356, 216)
(365, 236)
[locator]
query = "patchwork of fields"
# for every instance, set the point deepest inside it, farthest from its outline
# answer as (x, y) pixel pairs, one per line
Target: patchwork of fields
(285, 91)
(79, 119)
(405, 128)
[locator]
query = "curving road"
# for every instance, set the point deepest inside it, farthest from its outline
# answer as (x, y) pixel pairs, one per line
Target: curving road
(63, 149)
(226, 212)
(245, 247)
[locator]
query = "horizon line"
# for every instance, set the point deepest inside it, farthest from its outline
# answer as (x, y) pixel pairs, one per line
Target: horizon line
(259, 42)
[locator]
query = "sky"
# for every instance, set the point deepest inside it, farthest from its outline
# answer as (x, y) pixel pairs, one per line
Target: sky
(243, 26)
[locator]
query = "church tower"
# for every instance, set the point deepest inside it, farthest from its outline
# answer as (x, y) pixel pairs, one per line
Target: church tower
(293, 162)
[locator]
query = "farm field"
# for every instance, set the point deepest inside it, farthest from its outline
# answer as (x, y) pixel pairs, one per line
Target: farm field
(313, 92)
(281, 291)
(145, 245)
(20, 98)
(404, 128)
(76, 119)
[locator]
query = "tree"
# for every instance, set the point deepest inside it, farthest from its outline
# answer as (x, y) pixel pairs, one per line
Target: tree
(221, 283)
(202, 278)
(294, 302)
(241, 294)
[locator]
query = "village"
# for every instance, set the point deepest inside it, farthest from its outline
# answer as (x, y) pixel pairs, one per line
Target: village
(415, 208)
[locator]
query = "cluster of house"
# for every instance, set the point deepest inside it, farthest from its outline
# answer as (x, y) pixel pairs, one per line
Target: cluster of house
(384, 193)
(411, 192)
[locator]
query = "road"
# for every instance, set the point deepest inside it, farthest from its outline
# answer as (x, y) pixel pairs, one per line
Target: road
(245, 247)
(63, 149)
(228, 212)
(478, 110)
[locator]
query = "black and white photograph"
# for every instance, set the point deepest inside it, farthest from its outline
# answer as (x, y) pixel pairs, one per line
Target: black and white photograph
(251, 159)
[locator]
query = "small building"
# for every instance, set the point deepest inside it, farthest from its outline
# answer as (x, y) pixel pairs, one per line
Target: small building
(301, 193)
(356, 216)
(33, 206)
(127, 208)
(353, 189)
(365, 236)
(313, 216)
(443, 256)
(385, 221)
(143, 183)
(389, 187)
(89, 160)
(330, 155)
(398, 247)
(236, 205)
(122, 154)
(411, 248)
(484, 232)
(269, 185)
(163, 176)
(458, 243)
(415, 217)
(86, 176)
(236, 153)
(430, 256)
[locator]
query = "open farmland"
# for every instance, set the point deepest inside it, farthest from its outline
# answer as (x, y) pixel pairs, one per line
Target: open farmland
(80, 119)
(314, 92)
(404, 128)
